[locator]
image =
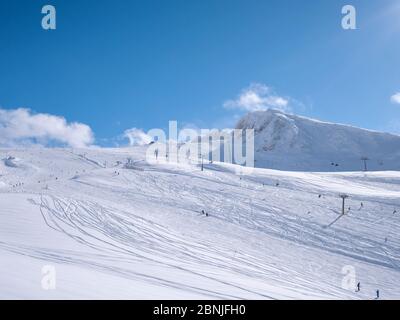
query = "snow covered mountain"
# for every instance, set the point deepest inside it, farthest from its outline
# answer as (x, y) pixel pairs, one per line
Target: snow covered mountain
(102, 229)
(289, 142)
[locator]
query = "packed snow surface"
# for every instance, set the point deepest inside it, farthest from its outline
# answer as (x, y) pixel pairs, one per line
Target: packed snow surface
(138, 231)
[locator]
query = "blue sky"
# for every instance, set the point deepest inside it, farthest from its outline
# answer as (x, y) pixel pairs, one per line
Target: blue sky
(114, 65)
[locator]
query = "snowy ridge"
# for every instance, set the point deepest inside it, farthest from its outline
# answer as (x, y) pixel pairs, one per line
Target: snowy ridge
(113, 231)
(290, 142)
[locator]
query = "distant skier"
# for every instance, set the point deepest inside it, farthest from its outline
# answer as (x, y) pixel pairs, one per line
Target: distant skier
(319, 196)
(377, 295)
(358, 287)
(204, 213)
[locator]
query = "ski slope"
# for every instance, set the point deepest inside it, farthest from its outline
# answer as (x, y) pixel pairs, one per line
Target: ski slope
(138, 233)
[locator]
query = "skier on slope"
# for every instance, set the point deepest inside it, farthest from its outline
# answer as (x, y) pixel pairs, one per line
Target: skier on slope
(358, 287)
(204, 213)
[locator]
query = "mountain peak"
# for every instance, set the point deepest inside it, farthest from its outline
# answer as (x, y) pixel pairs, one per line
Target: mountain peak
(290, 142)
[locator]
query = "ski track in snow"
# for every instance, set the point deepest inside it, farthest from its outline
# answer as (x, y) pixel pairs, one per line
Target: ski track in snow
(141, 232)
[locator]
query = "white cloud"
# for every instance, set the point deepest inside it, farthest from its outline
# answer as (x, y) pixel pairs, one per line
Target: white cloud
(258, 97)
(21, 126)
(395, 98)
(137, 137)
